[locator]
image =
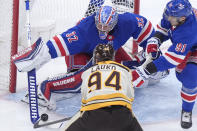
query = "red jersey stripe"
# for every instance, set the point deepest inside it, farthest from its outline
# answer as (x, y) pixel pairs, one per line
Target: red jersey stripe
(59, 44)
(178, 60)
(145, 33)
(187, 97)
(161, 28)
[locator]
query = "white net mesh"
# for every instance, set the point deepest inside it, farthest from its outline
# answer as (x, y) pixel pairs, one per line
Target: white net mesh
(120, 5)
(47, 18)
(5, 41)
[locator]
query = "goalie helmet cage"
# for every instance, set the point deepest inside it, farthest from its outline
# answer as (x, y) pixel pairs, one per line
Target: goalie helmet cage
(47, 18)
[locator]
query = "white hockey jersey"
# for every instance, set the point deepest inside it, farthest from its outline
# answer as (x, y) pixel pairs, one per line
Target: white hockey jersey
(105, 84)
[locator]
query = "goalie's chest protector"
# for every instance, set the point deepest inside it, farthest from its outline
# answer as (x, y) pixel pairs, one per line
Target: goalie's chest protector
(108, 83)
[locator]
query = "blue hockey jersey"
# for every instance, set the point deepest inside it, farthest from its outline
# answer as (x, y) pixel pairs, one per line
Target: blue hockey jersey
(84, 37)
(183, 38)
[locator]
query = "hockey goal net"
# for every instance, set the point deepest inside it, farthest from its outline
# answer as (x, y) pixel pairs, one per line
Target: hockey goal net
(47, 18)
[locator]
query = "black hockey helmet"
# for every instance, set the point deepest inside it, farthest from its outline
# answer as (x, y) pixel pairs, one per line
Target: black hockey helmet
(103, 52)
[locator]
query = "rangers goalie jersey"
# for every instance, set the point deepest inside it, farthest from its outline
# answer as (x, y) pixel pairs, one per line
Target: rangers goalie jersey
(84, 37)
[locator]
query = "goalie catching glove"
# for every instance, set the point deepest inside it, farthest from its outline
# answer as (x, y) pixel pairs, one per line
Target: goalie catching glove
(145, 71)
(32, 57)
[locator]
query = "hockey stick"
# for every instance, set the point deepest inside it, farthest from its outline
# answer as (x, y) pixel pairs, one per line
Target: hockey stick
(44, 117)
(148, 60)
(33, 101)
(32, 89)
(37, 125)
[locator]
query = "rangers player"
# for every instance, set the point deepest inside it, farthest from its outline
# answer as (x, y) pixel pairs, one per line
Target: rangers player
(179, 24)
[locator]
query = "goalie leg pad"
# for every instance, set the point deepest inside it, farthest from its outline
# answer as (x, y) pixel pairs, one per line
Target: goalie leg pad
(65, 83)
(62, 84)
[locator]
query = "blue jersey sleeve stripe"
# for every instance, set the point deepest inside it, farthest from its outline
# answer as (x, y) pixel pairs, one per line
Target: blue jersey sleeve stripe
(52, 50)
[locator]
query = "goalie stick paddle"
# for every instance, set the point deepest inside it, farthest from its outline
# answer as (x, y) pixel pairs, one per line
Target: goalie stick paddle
(33, 100)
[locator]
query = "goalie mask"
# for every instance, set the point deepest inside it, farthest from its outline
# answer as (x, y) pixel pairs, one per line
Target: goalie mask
(103, 52)
(106, 18)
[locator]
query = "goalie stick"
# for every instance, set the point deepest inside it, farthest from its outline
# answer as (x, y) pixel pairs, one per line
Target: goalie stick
(33, 101)
(38, 125)
(32, 89)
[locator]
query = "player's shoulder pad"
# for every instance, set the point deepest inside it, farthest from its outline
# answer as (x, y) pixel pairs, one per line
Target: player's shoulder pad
(87, 20)
(126, 16)
(114, 63)
(131, 18)
(185, 33)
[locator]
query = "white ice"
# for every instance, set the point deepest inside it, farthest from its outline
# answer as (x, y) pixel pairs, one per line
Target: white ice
(157, 107)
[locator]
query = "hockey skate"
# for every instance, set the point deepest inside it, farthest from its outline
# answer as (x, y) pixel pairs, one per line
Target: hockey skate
(186, 119)
(42, 101)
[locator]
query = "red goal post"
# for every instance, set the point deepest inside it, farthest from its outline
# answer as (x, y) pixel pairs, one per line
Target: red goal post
(47, 18)
(136, 11)
(14, 46)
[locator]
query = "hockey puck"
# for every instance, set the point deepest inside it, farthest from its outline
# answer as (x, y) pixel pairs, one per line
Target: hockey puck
(44, 117)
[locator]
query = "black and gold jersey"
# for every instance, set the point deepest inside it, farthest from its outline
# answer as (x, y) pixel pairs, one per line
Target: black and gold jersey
(107, 83)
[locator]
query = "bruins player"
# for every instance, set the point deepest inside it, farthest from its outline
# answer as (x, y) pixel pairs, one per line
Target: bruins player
(107, 96)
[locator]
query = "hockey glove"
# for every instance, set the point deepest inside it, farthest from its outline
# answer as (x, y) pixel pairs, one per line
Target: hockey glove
(152, 48)
(32, 57)
(137, 80)
(159, 75)
(142, 72)
(137, 60)
(140, 77)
